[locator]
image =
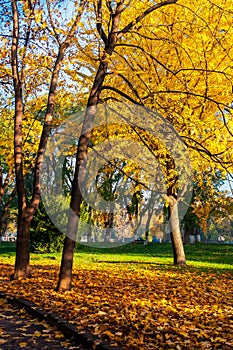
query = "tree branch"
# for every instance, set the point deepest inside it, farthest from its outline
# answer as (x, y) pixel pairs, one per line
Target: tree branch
(143, 15)
(99, 24)
(123, 94)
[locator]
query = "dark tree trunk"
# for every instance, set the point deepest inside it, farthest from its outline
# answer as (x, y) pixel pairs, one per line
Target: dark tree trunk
(22, 266)
(65, 276)
(22, 250)
(109, 223)
(4, 213)
(187, 236)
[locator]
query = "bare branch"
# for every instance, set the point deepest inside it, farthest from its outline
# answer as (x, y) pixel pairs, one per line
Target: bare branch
(187, 93)
(99, 24)
(148, 54)
(52, 23)
(123, 94)
(113, 35)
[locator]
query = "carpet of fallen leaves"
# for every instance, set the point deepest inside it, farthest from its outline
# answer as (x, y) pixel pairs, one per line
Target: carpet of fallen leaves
(137, 306)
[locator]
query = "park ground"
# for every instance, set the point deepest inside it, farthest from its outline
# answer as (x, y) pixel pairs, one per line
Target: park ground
(133, 297)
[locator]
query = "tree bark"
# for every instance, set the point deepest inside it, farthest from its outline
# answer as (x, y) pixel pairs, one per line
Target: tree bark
(22, 266)
(65, 277)
(176, 237)
(187, 233)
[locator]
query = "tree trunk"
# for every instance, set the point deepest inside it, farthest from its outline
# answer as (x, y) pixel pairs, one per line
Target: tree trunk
(187, 233)
(22, 266)
(4, 213)
(22, 250)
(176, 238)
(65, 277)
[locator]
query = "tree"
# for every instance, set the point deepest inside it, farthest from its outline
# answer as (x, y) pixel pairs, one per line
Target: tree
(31, 15)
(114, 12)
(208, 199)
(180, 67)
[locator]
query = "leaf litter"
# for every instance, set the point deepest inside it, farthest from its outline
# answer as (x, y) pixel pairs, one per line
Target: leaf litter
(138, 307)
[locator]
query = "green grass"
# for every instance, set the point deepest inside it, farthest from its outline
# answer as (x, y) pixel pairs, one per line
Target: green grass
(217, 257)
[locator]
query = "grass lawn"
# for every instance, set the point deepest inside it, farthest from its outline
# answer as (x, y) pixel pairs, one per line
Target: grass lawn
(133, 296)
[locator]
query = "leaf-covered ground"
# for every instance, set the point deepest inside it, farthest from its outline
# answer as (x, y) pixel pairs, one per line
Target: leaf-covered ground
(137, 305)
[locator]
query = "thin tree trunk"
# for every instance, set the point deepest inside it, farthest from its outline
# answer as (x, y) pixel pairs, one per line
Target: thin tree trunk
(22, 267)
(5, 210)
(187, 236)
(26, 211)
(65, 276)
(109, 223)
(5, 206)
(176, 237)
(22, 255)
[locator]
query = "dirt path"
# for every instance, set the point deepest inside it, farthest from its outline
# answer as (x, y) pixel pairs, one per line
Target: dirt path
(20, 331)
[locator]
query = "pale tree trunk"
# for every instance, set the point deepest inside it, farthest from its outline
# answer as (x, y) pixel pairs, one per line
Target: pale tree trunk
(26, 211)
(173, 211)
(110, 41)
(176, 237)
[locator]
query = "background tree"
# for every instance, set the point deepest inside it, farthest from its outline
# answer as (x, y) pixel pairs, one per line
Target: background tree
(209, 199)
(7, 185)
